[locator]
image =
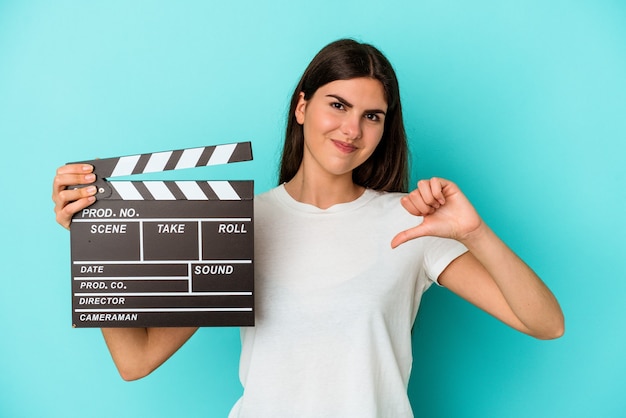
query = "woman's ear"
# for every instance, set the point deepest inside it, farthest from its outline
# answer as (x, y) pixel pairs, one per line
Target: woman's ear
(300, 107)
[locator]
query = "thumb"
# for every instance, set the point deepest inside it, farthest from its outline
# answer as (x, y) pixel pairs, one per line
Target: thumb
(409, 234)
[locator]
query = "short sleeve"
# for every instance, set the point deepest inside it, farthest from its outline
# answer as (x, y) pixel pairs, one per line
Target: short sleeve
(438, 254)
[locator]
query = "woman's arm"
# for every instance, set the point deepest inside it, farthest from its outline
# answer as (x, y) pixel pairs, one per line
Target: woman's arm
(135, 351)
(490, 275)
(493, 278)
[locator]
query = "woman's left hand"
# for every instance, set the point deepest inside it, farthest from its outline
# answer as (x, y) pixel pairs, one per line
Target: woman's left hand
(447, 212)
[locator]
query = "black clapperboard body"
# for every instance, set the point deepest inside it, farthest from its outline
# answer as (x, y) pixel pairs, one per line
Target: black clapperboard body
(165, 253)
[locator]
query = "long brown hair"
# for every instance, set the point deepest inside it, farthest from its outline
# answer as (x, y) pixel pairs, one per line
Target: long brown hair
(387, 167)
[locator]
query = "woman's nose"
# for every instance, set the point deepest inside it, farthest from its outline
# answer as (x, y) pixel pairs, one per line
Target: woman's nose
(351, 127)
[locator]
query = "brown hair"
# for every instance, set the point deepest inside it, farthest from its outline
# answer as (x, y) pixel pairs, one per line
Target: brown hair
(387, 167)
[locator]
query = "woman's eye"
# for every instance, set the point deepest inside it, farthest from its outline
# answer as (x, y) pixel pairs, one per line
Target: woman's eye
(337, 105)
(372, 116)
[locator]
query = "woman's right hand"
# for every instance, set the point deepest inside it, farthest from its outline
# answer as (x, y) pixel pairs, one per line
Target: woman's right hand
(69, 201)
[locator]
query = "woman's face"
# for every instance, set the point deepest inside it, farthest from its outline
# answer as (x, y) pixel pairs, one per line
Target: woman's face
(343, 123)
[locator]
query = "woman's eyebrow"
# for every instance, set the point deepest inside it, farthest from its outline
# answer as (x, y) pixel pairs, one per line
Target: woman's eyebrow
(350, 105)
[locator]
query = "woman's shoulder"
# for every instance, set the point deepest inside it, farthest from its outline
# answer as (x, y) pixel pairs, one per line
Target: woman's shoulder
(268, 201)
(267, 196)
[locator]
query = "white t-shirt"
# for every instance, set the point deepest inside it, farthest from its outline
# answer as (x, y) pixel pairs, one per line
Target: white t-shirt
(334, 308)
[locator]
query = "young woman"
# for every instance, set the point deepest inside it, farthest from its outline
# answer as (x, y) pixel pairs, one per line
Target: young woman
(343, 255)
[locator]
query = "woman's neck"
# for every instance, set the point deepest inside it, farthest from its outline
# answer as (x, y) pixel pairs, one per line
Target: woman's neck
(323, 192)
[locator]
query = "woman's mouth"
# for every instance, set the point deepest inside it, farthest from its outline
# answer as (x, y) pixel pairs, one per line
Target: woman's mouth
(344, 146)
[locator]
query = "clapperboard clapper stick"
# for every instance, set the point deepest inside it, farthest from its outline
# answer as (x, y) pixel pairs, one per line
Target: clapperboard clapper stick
(165, 253)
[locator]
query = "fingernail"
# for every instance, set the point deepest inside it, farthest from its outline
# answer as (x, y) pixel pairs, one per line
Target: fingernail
(91, 190)
(86, 167)
(90, 177)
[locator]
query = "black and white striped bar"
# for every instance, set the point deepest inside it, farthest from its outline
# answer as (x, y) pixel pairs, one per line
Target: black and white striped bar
(180, 190)
(172, 160)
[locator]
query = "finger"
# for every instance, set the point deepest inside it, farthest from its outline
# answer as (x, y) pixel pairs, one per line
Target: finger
(436, 189)
(71, 179)
(69, 170)
(415, 204)
(414, 207)
(66, 196)
(62, 181)
(61, 194)
(409, 206)
(75, 168)
(64, 214)
(65, 206)
(408, 234)
(425, 188)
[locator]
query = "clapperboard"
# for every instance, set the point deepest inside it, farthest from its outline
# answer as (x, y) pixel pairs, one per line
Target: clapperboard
(165, 253)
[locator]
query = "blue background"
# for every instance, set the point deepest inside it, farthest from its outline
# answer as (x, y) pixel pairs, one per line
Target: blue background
(523, 104)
